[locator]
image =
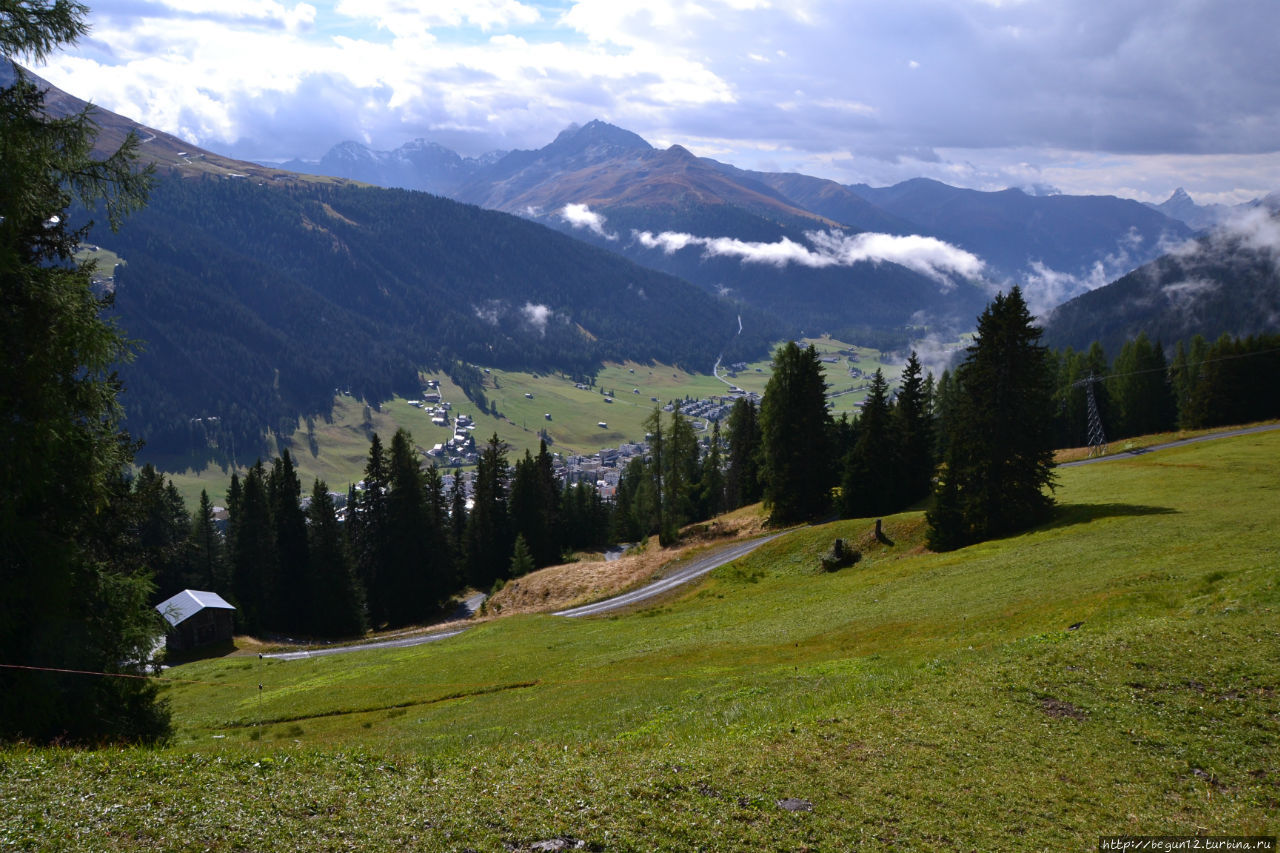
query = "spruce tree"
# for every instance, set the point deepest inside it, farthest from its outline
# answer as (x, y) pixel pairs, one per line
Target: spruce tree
(334, 595)
(488, 526)
(208, 566)
(65, 602)
(1000, 458)
(287, 597)
(521, 559)
(458, 519)
(404, 576)
(367, 525)
(742, 479)
(442, 572)
(253, 560)
(871, 484)
(711, 481)
(1141, 389)
(794, 427)
(912, 425)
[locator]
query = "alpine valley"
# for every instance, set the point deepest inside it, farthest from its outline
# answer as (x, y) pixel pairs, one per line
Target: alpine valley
(259, 290)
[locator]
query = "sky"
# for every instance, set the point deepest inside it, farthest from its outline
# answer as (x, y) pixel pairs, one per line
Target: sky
(1116, 97)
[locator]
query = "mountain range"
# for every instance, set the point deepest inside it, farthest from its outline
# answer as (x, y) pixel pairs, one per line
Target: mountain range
(621, 180)
(259, 290)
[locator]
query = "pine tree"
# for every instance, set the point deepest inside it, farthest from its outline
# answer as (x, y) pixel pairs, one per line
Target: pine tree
(367, 523)
(161, 528)
(742, 479)
(488, 527)
(253, 560)
(458, 519)
(64, 601)
(208, 565)
(521, 559)
(404, 576)
(711, 481)
(287, 597)
(1140, 387)
(1000, 458)
(794, 426)
(442, 575)
(336, 599)
(872, 470)
(912, 424)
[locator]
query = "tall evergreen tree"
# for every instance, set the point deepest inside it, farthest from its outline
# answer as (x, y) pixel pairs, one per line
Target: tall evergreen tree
(442, 575)
(1141, 389)
(64, 602)
(162, 531)
(208, 564)
(253, 559)
(711, 481)
(489, 540)
(794, 427)
(287, 596)
(871, 484)
(404, 577)
(742, 479)
(1001, 436)
(679, 476)
(458, 519)
(912, 424)
(368, 531)
(335, 597)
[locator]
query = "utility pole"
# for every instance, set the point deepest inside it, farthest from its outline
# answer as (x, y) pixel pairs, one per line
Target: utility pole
(1097, 438)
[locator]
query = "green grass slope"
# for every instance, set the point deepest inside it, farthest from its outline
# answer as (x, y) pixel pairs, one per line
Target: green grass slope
(1113, 672)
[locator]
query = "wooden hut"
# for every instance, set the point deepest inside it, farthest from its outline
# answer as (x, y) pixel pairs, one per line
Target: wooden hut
(197, 618)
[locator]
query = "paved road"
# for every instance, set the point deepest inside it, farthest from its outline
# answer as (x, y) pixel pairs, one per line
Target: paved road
(683, 575)
(399, 643)
(695, 569)
(1139, 451)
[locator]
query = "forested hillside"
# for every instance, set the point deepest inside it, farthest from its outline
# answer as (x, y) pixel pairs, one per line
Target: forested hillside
(1227, 282)
(254, 303)
(872, 303)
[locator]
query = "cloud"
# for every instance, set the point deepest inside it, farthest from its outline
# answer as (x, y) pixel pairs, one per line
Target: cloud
(1185, 295)
(581, 216)
(536, 316)
(928, 256)
(489, 312)
(1046, 288)
(1256, 228)
(1094, 96)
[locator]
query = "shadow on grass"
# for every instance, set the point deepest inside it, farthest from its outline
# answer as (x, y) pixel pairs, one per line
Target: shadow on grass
(213, 650)
(1070, 514)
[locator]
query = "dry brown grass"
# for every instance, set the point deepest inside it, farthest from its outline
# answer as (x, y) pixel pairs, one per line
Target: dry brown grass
(571, 584)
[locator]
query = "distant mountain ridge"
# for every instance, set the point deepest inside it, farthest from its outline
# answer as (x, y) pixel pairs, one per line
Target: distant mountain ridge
(626, 182)
(1225, 282)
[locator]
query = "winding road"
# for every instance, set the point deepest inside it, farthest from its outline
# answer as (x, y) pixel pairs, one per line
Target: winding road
(695, 569)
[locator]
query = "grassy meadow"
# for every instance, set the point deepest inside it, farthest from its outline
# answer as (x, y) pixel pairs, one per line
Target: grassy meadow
(336, 450)
(1114, 672)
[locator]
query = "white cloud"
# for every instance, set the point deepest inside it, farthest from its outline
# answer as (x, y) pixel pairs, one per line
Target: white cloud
(536, 316)
(926, 255)
(1118, 98)
(581, 216)
(1258, 229)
